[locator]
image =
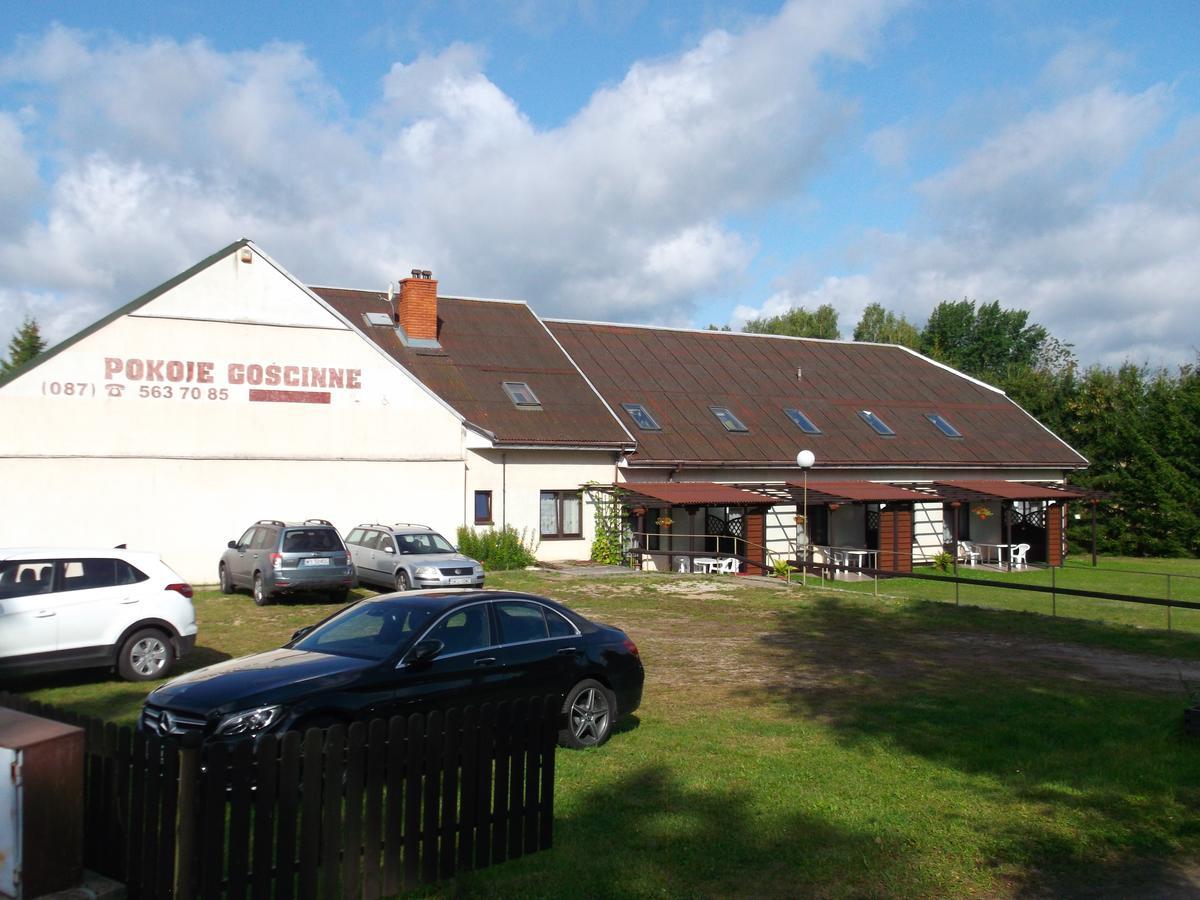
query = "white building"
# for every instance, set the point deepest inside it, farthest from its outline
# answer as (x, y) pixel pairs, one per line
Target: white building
(233, 392)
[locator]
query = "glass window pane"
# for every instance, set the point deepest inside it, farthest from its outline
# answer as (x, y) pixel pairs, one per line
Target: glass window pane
(943, 426)
(880, 426)
(728, 419)
(803, 422)
(483, 506)
(571, 504)
(520, 622)
(549, 512)
(559, 627)
(641, 416)
(464, 630)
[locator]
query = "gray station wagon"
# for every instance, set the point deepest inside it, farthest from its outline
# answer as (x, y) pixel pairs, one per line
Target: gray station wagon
(274, 558)
(404, 556)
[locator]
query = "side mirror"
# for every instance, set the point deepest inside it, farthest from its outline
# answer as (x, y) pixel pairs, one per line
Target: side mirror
(301, 632)
(425, 651)
(232, 545)
(391, 550)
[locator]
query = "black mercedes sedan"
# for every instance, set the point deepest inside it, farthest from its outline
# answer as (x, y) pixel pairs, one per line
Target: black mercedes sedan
(397, 654)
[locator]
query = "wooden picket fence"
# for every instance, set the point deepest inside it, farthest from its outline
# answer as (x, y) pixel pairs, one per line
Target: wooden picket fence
(359, 812)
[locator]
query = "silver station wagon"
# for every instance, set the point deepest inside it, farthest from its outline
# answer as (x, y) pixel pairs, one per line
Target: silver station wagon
(404, 556)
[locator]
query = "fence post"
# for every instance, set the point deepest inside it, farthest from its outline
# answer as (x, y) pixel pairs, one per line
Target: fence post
(186, 815)
(1168, 601)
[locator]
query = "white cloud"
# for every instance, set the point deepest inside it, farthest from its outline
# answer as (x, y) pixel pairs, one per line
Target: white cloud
(163, 151)
(18, 176)
(1064, 212)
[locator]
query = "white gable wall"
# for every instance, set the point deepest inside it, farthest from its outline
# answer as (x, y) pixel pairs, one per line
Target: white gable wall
(171, 430)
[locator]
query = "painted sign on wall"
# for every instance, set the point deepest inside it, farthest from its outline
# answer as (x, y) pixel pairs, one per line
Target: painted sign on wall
(193, 379)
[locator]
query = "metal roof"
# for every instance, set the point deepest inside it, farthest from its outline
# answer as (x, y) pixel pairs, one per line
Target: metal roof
(985, 489)
(484, 343)
(690, 493)
(858, 492)
(679, 375)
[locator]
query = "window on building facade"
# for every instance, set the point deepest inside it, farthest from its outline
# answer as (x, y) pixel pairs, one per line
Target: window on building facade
(561, 514)
(728, 419)
(520, 394)
(641, 417)
(880, 426)
(483, 507)
(803, 422)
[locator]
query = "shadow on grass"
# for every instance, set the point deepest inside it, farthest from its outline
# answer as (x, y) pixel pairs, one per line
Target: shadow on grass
(1115, 782)
(651, 833)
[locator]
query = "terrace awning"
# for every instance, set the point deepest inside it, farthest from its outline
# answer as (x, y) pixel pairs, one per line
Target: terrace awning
(822, 492)
(689, 493)
(983, 490)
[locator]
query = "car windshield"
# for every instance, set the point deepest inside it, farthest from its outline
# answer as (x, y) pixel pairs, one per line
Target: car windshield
(424, 542)
(373, 630)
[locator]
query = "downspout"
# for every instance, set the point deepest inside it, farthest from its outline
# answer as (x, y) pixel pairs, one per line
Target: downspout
(504, 490)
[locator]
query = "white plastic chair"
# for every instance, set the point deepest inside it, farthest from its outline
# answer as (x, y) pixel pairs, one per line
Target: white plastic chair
(726, 566)
(968, 551)
(684, 566)
(1018, 555)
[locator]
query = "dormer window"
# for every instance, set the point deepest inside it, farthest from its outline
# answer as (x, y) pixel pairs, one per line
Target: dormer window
(880, 426)
(943, 426)
(641, 417)
(728, 419)
(801, 421)
(520, 394)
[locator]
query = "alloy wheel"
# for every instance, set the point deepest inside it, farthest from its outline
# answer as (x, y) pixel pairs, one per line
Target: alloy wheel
(589, 716)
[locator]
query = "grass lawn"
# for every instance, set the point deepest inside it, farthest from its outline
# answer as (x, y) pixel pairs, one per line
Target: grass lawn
(825, 743)
(1174, 579)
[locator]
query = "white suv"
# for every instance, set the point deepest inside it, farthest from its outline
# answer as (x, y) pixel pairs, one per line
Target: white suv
(79, 609)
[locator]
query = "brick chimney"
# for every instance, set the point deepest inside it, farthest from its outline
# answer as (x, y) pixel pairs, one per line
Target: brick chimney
(417, 306)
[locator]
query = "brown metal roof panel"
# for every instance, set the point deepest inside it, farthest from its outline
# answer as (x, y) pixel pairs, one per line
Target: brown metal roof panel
(702, 493)
(865, 491)
(1010, 490)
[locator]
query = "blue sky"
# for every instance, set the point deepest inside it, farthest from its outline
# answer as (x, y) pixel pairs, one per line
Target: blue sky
(681, 164)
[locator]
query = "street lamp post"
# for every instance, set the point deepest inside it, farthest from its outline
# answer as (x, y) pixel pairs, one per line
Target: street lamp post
(805, 460)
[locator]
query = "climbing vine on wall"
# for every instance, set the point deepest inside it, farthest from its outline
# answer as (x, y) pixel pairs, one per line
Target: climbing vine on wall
(610, 525)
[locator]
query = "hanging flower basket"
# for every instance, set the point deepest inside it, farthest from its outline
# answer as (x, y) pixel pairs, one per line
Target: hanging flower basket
(983, 512)
(799, 520)
(664, 521)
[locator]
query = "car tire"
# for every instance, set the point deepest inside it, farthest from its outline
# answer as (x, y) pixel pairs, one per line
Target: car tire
(226, 580)
(145, 656)
(590, 711)
(402, 582)
(261, 597)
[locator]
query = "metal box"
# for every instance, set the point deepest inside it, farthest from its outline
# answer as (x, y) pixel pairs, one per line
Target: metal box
(41, 805)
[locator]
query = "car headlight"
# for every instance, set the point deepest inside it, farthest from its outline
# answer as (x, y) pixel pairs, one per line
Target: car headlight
(427, 572)
(250, 721)
(479, 570)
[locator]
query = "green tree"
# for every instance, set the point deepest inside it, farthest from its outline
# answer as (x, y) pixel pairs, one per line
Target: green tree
(25, 345)
(882, 326)
(799, 322)
(987, 342)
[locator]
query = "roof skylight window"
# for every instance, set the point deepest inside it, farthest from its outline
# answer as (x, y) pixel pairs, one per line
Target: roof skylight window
(641, 417)
(943, 426)
(880, 426)
(728, 419)
(803, 422)
(520, 394)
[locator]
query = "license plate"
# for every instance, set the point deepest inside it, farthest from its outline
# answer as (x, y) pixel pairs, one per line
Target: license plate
(460, 580)
(314, 562)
